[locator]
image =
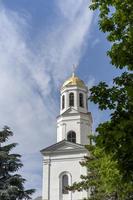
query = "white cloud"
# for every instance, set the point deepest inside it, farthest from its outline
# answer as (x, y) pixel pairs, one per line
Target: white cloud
(70, 8)
(29, 80)
(95, 42)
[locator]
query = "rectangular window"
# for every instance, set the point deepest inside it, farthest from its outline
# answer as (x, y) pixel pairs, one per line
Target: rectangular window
(71, 99)
(63, 102)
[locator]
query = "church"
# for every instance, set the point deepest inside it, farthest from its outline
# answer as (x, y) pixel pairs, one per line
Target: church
(61, 165)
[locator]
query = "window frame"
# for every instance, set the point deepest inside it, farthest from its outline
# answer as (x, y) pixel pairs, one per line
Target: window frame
(71, 99)
(63, 102)
(69, 182)
(71, 136)
(65, 183)
(81, 100)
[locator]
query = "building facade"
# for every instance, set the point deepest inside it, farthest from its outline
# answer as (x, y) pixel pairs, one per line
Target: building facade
(61, 161)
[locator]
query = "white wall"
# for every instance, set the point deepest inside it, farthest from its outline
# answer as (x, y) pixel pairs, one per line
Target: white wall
(76, 90)
(81, 124)
(59, 164)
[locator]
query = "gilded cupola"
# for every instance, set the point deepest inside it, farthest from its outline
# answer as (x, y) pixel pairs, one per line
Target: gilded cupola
(74, 81)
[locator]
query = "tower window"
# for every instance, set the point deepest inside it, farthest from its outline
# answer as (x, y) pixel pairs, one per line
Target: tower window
(71, 136)
(64, 184)
(63, 102)
(71, 99)
(81, 100)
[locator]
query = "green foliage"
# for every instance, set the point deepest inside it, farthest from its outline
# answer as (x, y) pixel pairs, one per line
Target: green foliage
(104, 179)
(115, 19)
(116, 135)
(11, 184)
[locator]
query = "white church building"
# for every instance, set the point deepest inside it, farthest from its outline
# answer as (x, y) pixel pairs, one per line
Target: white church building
(61, 165)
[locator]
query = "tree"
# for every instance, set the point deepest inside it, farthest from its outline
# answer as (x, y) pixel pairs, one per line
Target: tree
(115, 136)
(115, 19)
(104, 179)
(11, 184)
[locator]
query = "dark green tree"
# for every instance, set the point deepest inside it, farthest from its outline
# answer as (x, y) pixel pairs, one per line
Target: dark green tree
(11, 183)
(116, 135)
(115, 19)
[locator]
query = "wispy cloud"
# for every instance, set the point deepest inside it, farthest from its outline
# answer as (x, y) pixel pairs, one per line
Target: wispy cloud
(28, 103)
(95, 42)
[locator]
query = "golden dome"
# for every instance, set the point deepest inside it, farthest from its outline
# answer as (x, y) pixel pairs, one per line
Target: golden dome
(74, 81)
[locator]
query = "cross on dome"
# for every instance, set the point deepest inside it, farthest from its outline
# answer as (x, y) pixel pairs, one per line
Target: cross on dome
(74, 69)
(74, 80)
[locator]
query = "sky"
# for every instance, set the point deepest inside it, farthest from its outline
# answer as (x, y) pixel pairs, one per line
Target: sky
(40, 40)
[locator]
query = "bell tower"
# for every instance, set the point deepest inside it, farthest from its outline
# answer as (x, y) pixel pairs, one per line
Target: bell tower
(74, 122)
(61, 161)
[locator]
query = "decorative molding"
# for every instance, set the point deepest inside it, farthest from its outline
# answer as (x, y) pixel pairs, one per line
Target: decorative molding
(81, 158)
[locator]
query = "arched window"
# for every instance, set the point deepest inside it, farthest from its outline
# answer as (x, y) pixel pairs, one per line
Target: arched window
(71, 99)
(63, 102)
(81, 100)
(64, 184)
(71, 136)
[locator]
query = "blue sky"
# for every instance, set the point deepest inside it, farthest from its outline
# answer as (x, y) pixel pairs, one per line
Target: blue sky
(40, 40)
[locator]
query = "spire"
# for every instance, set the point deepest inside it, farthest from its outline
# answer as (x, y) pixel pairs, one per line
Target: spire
(74, 80)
